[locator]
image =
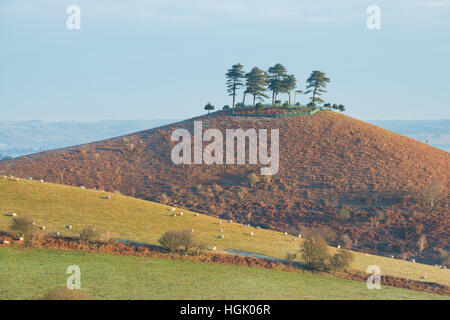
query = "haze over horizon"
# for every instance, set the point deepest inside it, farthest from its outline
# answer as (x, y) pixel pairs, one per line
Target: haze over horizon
(166, 59)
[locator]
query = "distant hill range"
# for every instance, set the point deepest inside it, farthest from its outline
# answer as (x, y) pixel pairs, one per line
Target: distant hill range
(354, 182)
(20, 138)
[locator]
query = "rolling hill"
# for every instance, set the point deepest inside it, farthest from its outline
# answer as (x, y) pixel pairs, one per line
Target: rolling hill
(56, 206)
(359, 184)
(29, 273)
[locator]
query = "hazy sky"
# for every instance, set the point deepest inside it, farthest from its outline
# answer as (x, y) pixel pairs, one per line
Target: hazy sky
(166, 59)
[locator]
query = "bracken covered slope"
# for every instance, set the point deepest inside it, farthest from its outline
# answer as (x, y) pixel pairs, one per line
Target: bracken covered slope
(358, 184)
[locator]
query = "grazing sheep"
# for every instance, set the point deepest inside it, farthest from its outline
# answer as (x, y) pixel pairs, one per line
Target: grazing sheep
(258, 227)
(41, 180)
(181, 213)
(57, 233)
(192, 230)
(17, 179)
(69, 227)
(21, 238)
(6, 242)
(338, 247)
(392, 257)
(302, 249)
(173, 209)
(82, 187)
(214, 248)
(413, 260)
(30, 178)
(14, 214)
(34, 223)
(285, 233)
(220, 230)
(293, 239)
(220, 222)
(173, 215)
(195, 214)
(42, 228)
(366, 254)
(221, 236)
(299, 235)
(108, 197)
(230, 221)
(251, 233)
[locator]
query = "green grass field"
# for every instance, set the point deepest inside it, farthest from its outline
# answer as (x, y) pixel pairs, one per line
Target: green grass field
(55, 206)
(29, 273)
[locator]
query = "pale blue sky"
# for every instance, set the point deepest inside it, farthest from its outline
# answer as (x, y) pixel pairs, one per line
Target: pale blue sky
(165, 59)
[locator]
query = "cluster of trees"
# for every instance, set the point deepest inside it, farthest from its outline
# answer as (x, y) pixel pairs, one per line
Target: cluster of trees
(277, 80)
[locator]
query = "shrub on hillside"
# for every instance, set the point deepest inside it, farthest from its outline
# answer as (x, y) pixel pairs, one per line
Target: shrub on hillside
(433, 194)
(315, 254)
(89, 234)
(176, 241)
(65, 294)
(23, 226)
(341, 260)
(290, 257)
(252, 180)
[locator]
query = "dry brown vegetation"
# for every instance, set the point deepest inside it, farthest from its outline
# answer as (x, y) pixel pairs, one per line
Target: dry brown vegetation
(378, 191)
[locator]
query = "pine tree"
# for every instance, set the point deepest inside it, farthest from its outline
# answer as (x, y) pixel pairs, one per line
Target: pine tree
(276, 75)
(234, 76)
(289, 83)
(256, 83)
(316, 84)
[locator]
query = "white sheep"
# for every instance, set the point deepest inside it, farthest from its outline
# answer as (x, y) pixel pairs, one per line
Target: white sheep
(192, 230)
(14, 214)
(57, 233)
(173, 215)
(42, 228)
(293, 239)
(230, 221)
(21, 238)
(17, 179)
(220, 236)
(181, 213)
(108, 197)
(252, 234)
(285, 233)
(195, 214)
(338, 246)
(214, 248)
(30, 178)
(258, 227)
(82, 187)
(220, 222)
(6, 242)
(299, 235)
(173, 209)
(41, 180)
(413, 260)
(34, 223)
(392, 257)
(69, 227)
(220, 230)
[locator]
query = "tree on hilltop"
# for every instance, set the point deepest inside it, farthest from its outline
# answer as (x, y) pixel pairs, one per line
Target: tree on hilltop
(277, 73)
(256, 83)
(234, 77)
(289, 83)
(316, 84)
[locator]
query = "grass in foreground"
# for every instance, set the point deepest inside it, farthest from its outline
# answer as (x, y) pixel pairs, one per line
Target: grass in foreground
(29, 273)
(55, 206)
